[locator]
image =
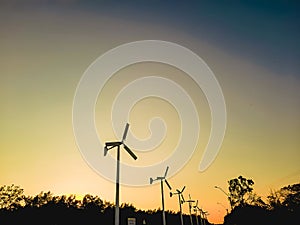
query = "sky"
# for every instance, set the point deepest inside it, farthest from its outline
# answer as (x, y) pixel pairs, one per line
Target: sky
(252, 48)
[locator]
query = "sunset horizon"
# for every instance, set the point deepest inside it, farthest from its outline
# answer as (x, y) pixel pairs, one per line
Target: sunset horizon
(61, 101)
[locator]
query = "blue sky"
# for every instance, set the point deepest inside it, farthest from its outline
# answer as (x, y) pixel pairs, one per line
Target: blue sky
(266, 32)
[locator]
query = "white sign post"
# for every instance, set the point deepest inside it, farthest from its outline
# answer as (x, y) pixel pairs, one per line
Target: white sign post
(131, 221)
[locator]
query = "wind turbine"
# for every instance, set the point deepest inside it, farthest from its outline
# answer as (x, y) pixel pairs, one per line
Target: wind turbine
(162, 191)
(196, 209)
(180, 200)
(190, 208)
(107, 147)
(204, 215)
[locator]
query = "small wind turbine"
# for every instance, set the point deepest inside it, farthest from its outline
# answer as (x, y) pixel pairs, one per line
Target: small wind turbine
(190, 208)
(204, 216)
(196, 210)
(107, 147)
(180, 200)
(162, 191)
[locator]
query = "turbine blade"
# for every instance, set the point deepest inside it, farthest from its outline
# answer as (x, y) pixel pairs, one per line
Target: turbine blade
(169, 186)
(182, 189)
(182, 197)
(130, 152)
(197, 203)
(125, 132)
(166, 172)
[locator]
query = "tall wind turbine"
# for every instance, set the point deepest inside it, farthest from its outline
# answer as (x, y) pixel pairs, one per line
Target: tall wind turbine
(162, 191)
(107, 147)
(190, 208)
(180, 200)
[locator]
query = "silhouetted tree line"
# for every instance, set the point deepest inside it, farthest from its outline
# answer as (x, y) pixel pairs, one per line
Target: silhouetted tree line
(281, 207)
(47, 209)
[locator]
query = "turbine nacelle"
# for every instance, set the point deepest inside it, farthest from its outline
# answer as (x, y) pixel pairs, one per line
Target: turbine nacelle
(190, 201)
(162, 178)
(179, 193)
(110, 145)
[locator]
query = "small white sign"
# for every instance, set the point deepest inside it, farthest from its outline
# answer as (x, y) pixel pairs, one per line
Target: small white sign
(131, 221)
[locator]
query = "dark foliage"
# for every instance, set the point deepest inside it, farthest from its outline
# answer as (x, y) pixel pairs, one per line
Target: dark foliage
(240, 190)
(283, 206)
(47, 209)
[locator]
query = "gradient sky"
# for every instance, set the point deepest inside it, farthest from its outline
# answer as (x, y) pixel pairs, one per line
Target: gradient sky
(251, 46)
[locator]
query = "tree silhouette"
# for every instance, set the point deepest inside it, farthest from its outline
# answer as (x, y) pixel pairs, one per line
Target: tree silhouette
(288, 196)
(92, 203)
(11, 197)
(47, 209)
(291, 195)
(239, 189)
(283, 205)
(41, 199)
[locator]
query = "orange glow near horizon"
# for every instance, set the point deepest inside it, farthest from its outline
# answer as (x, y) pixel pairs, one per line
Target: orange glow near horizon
(42, 60)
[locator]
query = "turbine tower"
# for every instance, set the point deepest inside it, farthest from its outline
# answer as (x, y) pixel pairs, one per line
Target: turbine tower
(204, 215)
(190, 208)
(196, 210)
(107, 147)
(162, 191)
(180, 200)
